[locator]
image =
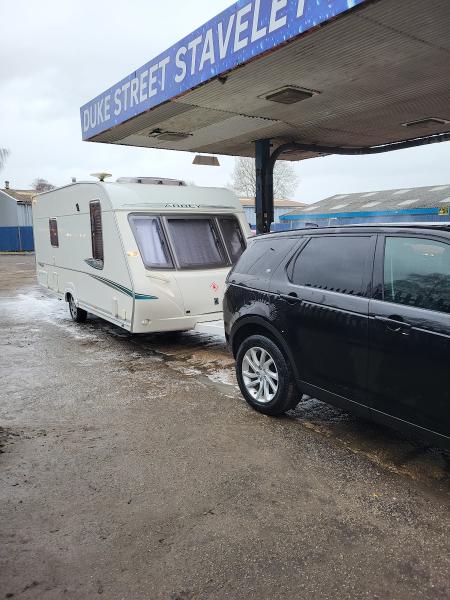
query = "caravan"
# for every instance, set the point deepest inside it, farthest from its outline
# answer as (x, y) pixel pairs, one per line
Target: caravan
(147, 254)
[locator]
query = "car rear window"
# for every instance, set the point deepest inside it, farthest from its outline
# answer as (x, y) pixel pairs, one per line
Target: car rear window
(262, 257)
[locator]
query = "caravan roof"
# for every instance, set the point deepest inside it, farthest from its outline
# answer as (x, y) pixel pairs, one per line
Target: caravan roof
(136, 196)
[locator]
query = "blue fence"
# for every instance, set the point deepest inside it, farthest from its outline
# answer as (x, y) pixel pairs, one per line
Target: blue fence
(16, 239)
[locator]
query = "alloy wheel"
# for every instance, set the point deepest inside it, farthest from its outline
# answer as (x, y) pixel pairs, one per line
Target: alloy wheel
(260, 375)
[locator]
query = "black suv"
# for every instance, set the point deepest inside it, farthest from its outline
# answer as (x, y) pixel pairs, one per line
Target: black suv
(355, 316)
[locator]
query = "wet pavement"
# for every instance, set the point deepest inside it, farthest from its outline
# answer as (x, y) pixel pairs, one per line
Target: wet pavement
(130, 467)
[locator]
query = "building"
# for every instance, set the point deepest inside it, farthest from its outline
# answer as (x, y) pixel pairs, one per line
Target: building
(281, 207)
(431, 203)
(16, 224)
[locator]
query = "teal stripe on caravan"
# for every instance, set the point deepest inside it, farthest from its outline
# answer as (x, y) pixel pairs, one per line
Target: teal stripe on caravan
(124, 290)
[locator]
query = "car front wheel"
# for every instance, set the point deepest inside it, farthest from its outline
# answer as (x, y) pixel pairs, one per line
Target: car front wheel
(265, 376)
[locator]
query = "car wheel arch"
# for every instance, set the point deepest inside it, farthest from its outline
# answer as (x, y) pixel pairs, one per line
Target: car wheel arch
(256, 325)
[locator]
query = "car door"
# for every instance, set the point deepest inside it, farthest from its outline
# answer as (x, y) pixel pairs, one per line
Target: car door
(323, 295)
(409, 330)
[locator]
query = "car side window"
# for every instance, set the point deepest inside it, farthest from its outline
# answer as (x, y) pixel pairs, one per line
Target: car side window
(417, 273)
(334, 263)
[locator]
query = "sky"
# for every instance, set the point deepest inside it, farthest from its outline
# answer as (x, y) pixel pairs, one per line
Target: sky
(55, 56)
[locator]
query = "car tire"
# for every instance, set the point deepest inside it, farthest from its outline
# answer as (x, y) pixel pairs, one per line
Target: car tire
(265, 376)
(78, 314)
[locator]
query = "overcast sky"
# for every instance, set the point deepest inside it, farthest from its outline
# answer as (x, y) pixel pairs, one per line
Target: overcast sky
(56, 55)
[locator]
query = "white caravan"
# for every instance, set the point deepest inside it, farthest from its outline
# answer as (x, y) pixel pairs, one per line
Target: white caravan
(146, 254)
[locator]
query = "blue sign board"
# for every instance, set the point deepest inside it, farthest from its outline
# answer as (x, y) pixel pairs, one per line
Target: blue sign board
(238, 34)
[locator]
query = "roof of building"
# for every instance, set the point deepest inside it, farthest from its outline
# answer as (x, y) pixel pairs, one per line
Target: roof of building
(277, 203)
(23, 196)
(436, 196)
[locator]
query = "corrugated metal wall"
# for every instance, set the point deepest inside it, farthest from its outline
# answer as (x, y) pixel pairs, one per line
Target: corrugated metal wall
(24, 215)
(16, 239)
(16, 225)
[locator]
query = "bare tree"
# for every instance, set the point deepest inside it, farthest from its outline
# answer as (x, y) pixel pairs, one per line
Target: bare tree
(285, 180)
(4, 153)
(42, 185)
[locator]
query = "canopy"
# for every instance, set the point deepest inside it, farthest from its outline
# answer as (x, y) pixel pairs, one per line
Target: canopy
(345, 73)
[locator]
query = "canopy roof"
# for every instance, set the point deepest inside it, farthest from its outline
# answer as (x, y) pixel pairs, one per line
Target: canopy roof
(360, 70)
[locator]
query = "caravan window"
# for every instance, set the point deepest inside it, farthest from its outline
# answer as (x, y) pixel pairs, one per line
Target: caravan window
(232, 235)
(96, 230)
(54, 241)
(196, 243)
(151, 242)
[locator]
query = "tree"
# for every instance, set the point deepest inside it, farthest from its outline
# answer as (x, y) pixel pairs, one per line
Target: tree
(4, 153)
(285, 180)
(42, 185)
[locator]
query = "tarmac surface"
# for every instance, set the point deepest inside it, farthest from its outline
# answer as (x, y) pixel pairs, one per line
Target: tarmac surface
(131, 468)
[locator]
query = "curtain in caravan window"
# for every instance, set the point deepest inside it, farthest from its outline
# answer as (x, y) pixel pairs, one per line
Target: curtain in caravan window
(196, 243)
(151, 242)
(96, 230)
(53, 225)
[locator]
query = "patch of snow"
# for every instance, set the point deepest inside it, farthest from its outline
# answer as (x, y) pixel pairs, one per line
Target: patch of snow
(211, 328)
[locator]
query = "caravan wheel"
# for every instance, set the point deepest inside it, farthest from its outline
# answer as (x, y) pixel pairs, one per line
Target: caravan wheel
(78, 314)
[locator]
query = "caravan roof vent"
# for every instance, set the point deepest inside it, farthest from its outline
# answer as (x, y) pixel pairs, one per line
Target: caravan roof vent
(151, 180)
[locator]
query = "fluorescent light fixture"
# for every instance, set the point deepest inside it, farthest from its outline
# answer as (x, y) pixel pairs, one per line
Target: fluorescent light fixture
(206, 161)
(426, 123)
(169, 136)
(289, 95)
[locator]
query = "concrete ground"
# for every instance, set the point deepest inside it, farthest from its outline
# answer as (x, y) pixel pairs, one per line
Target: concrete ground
(132, 469)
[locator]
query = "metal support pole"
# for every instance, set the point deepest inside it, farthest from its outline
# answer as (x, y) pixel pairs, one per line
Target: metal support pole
(265, 163)
(264, 187)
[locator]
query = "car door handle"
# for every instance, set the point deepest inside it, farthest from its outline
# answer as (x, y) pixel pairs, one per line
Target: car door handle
(395, 324)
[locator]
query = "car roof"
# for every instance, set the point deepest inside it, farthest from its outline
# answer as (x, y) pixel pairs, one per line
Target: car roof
(362, 228)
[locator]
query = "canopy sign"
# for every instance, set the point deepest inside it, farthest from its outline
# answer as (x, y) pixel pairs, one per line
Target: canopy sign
(242, 32)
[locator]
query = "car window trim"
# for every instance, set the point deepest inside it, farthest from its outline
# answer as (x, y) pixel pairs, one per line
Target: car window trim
(297, 250)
